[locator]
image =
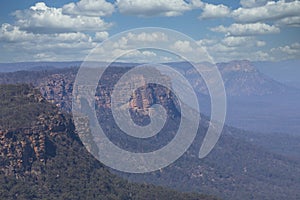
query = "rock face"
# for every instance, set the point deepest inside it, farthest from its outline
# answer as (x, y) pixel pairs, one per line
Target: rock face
(19, 154)
(57, 89)
(23, 144)
(21, 147)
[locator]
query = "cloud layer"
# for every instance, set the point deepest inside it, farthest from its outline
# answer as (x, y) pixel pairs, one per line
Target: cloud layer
(94, 8)
(43, 19)
(271, 11)
(157, 7)
(247, 29)
(69, 32)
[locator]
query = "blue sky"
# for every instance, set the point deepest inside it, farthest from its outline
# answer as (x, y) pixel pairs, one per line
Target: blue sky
(257, 30)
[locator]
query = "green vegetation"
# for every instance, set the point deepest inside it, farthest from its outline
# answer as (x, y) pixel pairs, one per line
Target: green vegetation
(69, 172)
(20, 106)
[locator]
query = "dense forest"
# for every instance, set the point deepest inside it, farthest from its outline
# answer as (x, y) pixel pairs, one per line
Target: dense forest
(41, 156)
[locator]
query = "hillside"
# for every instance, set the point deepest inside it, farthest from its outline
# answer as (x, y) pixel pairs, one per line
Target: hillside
(236, 169)
(41, 156)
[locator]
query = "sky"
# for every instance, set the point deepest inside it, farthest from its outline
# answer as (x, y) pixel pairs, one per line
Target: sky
(66, 30)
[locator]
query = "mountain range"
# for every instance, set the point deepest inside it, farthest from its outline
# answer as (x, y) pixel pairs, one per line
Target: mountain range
(235, 169)
(238, 168)
(255, 102)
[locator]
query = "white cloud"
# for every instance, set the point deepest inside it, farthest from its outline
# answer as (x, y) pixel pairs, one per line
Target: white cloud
(100, 36)
(132, 39)
(128, 55)
(137, 56)
(148, 37)
(235, 47)
(289, 21)
(221, 53)
(11, 33)
(249, 48)
(89, 8)
(157, 7)
(242, 41)
(149, 53)
(291, 51)
(46, 41)
(206, 42)
(182, 46)
(43, 19)
(70, 37)
(214, 11)
(138, 47)
(253, 3)
(235, 41)
(190, 51)
(24, 45)
(260, 43)
(247, 29)
(272, 11)
(124, 48)
(69, 33)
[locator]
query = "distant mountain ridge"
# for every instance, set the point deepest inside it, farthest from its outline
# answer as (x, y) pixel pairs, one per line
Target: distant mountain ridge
(251, 95)
(23, 66)
(240, 78)
(287, 71)
(243, 78)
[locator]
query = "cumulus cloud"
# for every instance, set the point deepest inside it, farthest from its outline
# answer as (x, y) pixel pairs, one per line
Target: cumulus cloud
(43, 19)
(291, 51)
(247, 29)
(221, 52)
(232, 42)
(148, 37)
(182, 46)
(214, 11)
(100, 36)
(280, 13)
(235, 47)
(70, 32)
(289, 21)
(271, 11)
(253, 3)
(190, 51)
(89, 8)
(124, 48)
(138, 47)
(132, 39)
(242, 41)
(55, 46)
(11, 33)
(156, 8)
(139, 56)
(235, 41)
